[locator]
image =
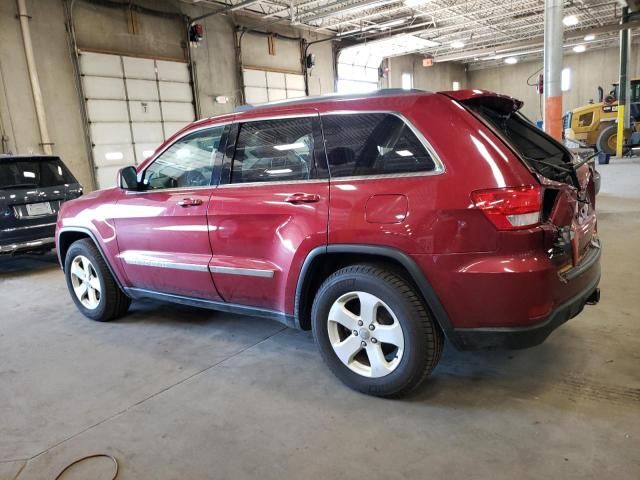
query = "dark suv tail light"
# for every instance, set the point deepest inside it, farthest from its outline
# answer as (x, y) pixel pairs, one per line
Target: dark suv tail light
(510, 208)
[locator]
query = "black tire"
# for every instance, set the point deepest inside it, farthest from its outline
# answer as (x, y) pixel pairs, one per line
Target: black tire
(602, 143)
(423, 339)
(113, 302)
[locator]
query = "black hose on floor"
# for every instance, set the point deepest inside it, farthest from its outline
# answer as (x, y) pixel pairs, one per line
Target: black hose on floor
(95, 455)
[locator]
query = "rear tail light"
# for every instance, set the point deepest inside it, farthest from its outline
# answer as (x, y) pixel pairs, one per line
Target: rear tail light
(510, 208)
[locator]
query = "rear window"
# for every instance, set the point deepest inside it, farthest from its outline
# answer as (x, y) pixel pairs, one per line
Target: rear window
(373, 144)
(541, 152)
(34, 173)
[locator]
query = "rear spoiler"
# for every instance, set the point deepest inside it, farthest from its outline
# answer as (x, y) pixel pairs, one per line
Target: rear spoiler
(501, 103)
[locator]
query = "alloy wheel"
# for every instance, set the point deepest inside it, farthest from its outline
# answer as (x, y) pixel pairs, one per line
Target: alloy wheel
(85, 282)
(365, 334)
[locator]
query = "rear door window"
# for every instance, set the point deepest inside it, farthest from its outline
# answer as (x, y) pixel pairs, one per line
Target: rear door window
(373, 144)
(34, 173)
(274, 150)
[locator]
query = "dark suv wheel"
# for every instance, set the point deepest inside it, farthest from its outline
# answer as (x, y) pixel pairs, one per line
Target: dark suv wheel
(374, 331)
(92, 287)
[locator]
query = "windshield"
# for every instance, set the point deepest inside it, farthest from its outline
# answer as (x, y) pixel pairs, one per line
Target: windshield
(34, 173)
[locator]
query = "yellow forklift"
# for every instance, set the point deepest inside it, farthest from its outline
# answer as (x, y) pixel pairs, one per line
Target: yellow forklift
(594, 125)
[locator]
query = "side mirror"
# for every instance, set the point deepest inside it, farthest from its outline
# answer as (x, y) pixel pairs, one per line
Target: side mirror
(128, 179)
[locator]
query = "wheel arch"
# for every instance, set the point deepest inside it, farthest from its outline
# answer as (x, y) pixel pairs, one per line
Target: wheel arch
(323, 261)
(67, 236)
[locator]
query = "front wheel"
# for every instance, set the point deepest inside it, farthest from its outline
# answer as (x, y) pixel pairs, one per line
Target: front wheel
(91, 285)
(374, 332)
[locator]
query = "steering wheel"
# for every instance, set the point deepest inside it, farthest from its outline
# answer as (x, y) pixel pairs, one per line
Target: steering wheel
(193, 178)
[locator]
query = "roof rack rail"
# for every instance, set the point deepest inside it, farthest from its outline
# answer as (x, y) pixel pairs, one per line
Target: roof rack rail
(331, 96)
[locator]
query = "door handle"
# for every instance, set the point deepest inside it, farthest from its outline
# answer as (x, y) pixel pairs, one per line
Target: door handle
(302, 198)
(189, 202)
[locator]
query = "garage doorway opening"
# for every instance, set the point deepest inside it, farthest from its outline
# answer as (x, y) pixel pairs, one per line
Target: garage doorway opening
(133, 105)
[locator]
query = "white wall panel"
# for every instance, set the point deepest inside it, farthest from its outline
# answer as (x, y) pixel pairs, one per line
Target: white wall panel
(142, 89)
(177, 112)
(107, 111)
(103, 87)
(109, 133)
(172, 127)
(117, 155)
(255, 95)
(175, 92)
(263, 86)
(276, 80)
(144, 111)
(100, 64)
(145, 150)
(106, 176)
(295, 93)
(254, 78)
(276, 94)
(294, 82)
(147, 132)
(173, 71)
(143, 68)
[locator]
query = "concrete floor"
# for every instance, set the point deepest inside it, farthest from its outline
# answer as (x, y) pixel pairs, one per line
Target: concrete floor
(178, 393)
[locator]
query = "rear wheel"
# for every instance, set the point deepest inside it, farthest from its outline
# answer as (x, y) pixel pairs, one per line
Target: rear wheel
(607, 140)
(91, 285)
(374, 331)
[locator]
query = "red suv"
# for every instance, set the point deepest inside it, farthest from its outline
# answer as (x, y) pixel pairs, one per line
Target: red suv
(383, 223)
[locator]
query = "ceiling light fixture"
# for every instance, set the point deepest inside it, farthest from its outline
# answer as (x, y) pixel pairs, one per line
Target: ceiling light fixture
(570, 20)
(589, 37)
(414, 3)
(457, 44)
(511, 60)
(579, 48)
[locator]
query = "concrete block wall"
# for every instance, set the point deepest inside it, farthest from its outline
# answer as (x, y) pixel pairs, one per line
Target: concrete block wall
(588, 70)
(438, 77)
(106, 29)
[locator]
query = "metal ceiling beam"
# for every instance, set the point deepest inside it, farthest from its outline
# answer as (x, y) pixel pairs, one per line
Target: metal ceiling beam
(529, 43)
(326, 11)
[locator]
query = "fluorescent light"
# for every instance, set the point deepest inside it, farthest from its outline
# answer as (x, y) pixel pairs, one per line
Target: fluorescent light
(114, 155)
(511, 60)
(278, 171)
(404, 153)
(589, 37)
(415, 3)
(457, 44)
(570, 20)
(565, 79)
(29, 174)
(579, 48)
(391, 23)
(289, 146)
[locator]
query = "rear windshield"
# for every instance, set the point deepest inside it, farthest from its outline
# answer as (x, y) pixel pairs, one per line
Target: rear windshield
(33, 172)
(541, 152)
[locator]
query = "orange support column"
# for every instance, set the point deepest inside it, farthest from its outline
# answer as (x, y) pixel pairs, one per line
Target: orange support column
(553, 116)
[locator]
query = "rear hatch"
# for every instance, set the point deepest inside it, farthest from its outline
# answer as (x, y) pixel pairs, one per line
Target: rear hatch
(32, 189)
(568, 187)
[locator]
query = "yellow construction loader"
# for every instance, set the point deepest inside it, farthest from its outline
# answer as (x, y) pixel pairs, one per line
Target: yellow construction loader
(594, 124)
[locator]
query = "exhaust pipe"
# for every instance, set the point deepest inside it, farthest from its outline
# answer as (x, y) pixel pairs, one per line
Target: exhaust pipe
(594, 298)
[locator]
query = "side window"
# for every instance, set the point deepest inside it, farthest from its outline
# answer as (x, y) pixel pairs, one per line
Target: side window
(373, 144)
(187, 163)
(274, 150)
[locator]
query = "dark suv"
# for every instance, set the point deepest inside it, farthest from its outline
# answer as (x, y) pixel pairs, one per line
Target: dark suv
(32, 188)
(383, 222)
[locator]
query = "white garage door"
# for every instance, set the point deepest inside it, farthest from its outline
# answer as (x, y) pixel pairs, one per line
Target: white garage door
(133, 105)
(262, 86)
